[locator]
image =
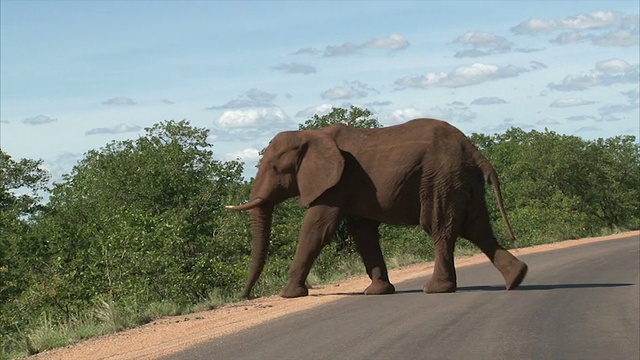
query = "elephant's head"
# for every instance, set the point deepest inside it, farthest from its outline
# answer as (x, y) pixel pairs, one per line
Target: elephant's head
(296, 163)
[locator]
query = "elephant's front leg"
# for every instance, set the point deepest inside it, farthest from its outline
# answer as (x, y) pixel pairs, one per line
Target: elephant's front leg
(318, 228)
(367, 238)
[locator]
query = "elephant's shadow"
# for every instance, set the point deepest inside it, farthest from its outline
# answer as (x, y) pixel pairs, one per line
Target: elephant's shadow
(487, 288)
(530, 287)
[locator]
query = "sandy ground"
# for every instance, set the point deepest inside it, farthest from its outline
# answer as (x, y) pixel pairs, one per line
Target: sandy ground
(172, 334)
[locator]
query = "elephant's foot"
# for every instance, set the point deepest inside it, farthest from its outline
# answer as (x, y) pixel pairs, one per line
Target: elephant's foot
(380, 287)
(294, 291)
(514, 275)
(436, 286)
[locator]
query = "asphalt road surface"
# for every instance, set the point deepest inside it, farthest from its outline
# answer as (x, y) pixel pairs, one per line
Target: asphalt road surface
(576, 303)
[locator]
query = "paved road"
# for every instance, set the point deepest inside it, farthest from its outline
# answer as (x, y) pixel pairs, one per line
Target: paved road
(576, 303)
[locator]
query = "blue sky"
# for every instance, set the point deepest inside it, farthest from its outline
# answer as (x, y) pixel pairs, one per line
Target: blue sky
(77, 75)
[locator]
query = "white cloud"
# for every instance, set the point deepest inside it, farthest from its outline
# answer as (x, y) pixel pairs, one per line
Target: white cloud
(590, 129)
(537, 65)
(236, 104)
(617, 37)
(246, 155)
(251, 117)
(246, 134)
(352, 90)
(167, 101)
(465, 116)
(119, 101)
(249, 156)
(393, 42)
(379, 103)
(470, 53)
(295, 68)
(581, 118)
(528, 50)
(458, 104)
(547, 121)
(62, 164)
(601, 28)
(462, 76)
(633, 95)
(260, 96)
(39, 120)
(613, 71)
(614, 37)
(493, 44)
(608, 110)
(568, 38)
(613, 66)
(460, 115)
(490, 100)
(320, 110)
(594, 21)
(562, 103)
(347, 48)
(481, 39)
(307, 51)
(118, 129)
(255, 98)
(506, 124)
(404, 114)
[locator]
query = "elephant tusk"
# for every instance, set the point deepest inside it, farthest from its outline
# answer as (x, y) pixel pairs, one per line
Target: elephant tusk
(250, 205)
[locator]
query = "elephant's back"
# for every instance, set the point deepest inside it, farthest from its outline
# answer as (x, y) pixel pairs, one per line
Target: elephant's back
(396, 163)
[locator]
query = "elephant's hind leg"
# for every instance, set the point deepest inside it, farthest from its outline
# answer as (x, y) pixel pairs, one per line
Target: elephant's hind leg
(439, 218)
(367, 238)
(480, 233)
(444, 278)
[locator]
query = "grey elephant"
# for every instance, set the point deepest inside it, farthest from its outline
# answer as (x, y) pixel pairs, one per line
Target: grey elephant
(424, 172)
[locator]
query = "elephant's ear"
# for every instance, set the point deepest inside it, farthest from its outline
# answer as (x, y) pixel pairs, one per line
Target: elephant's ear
(320, 168)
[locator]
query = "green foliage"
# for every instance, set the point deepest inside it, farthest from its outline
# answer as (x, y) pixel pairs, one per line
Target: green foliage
(356, 117)
(560, 186)
(136, 222)
(21, 183)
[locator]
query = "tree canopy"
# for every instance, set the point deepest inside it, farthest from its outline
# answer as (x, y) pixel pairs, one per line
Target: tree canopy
(353, 116)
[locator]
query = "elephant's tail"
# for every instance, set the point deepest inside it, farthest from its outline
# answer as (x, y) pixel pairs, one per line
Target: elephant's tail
(491, 177)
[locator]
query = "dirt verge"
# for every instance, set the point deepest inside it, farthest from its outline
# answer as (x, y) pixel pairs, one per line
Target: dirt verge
(172, 334)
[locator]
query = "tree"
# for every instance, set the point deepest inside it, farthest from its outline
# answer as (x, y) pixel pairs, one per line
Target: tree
(134, 222)
(26, 176)
(563, 186)
(21, 184)
(614, 181)
(356, 117)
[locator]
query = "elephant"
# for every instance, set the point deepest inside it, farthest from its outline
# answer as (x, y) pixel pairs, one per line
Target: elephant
(423, 172)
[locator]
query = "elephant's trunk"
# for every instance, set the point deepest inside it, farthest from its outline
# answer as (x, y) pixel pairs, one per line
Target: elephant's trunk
(260, 218)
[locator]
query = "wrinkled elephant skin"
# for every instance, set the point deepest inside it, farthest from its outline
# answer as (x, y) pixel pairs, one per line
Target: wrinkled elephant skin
(424, 172)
